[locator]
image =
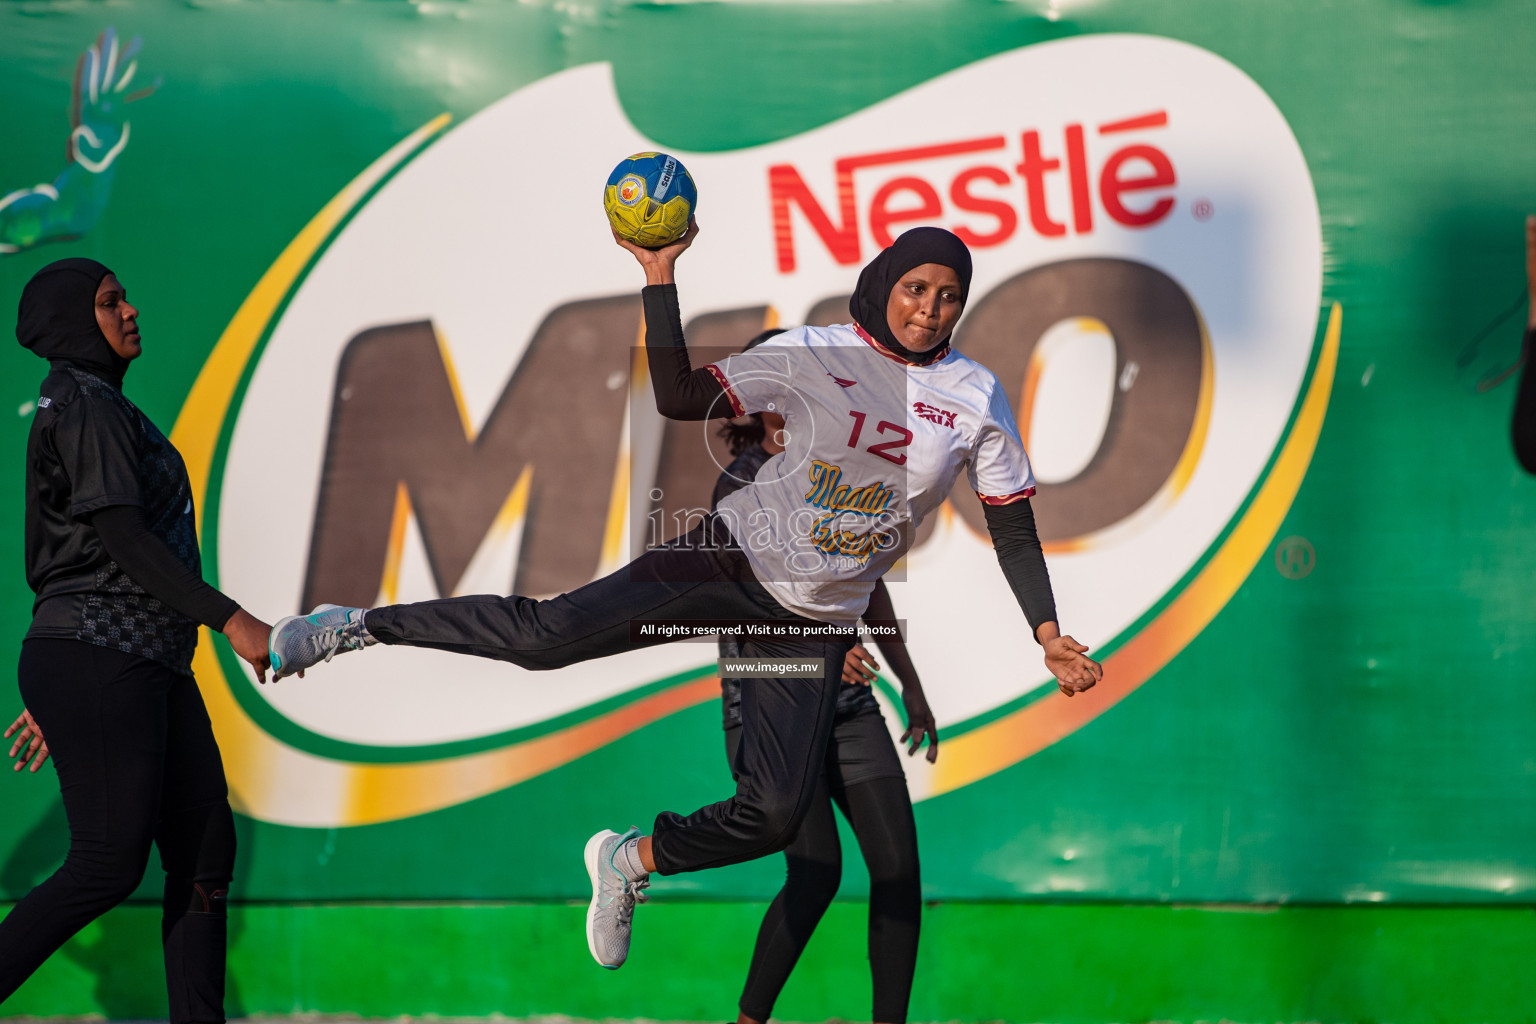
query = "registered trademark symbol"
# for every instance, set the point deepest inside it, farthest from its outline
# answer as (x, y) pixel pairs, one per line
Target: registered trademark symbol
(1202, 209)
(1295, 558)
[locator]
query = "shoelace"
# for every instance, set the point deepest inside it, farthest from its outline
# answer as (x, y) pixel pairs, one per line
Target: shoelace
(630, 894)
(328, 642)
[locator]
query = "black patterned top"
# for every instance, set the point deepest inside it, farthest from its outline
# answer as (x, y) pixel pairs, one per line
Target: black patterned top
(90, 449)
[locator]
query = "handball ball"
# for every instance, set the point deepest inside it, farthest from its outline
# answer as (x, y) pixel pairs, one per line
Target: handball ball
(649, 198)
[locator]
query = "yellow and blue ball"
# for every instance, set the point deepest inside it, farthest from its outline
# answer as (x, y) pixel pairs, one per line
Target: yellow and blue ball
(649, 198)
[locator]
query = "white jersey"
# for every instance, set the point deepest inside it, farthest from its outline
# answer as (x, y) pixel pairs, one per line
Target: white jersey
(874, 446)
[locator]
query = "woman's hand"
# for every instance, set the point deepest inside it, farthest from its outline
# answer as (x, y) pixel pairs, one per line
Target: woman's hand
(920, 723)
(1067, 659)
(31, 738)
(658, 262)
(859, 667)
(248, 635)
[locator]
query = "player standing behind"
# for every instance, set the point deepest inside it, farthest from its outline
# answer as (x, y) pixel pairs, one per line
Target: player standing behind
(862, 774)
(773, 551)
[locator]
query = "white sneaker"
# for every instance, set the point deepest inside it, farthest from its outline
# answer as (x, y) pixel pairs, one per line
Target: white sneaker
(303, 641)
(612, 910)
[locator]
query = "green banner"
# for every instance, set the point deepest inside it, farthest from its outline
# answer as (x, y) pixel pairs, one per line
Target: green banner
(1250, 279)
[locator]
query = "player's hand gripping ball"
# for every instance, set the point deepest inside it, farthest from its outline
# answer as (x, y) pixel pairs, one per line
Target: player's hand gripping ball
(649, 198)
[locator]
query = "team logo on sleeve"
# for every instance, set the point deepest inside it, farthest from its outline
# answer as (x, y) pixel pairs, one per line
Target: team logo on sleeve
(933, 414)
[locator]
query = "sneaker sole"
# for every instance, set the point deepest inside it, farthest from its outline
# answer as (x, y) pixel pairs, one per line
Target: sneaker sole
(277, 662)
(590, 855)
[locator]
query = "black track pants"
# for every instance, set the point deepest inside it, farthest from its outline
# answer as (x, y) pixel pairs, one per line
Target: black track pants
(787, 722)
(874, 800)
(137, 764)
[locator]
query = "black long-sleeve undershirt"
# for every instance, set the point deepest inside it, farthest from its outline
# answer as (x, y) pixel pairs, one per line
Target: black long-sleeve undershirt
(153, 566)
(682, 393)
(1017, 544)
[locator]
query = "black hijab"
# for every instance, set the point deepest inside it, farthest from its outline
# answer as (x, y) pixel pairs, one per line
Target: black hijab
(57, 319)
(879, 276)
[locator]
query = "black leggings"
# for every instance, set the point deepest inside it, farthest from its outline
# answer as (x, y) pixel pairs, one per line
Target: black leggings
(786, 722)
(880, 812)
(137, 764)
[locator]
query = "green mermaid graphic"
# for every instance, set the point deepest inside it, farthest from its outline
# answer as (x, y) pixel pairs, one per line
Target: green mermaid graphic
(69, 206)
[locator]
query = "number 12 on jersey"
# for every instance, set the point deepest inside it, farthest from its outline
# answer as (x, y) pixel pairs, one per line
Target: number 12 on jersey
(883, 449)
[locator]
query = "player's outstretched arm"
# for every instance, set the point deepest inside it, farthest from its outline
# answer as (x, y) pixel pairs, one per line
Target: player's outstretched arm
(151, 564)
(682, 393)
(1017, 544)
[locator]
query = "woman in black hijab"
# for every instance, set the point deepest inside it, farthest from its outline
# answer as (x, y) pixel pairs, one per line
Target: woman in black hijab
(106, 667)
(800, 547)
(871, 303)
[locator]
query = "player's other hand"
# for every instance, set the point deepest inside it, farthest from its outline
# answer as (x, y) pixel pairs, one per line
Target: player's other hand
(920, 723)
(859, 667)
(29, 745)
(1069, 662)
(248, 635)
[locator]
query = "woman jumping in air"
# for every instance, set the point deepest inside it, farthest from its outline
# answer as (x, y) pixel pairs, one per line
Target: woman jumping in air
(882, 416)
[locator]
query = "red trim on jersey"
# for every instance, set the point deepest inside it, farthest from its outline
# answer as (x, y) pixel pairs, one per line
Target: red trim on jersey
(938, 356)
(737, 409)
(1007, 499)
